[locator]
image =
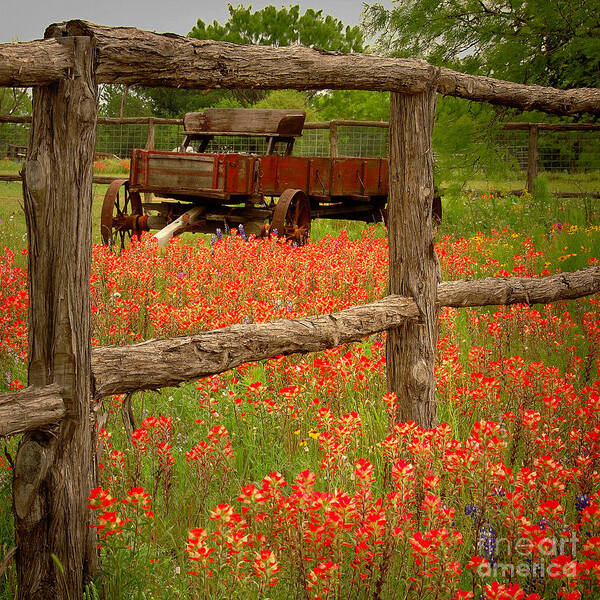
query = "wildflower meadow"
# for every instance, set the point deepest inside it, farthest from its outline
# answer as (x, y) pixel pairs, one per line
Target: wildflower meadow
(292, 478)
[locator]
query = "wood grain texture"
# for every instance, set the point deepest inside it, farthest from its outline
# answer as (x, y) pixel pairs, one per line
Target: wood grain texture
(414, 269)
(30, 408)
(494, 291)
(101, 179)
(256, 121)
(518, 95)
(40, 62)
(131, 56)
(553, 126)
(532, 157)
(169, 362)
(54, 472)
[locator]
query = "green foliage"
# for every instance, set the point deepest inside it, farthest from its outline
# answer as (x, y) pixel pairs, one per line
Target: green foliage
(546, 43)
(282, 27)
(174, 103)
(15, 101)
(134, 104)
(535, 41)
(279, 27)
(91, 592)
(461, 141)
(289, 99)
(353, 104)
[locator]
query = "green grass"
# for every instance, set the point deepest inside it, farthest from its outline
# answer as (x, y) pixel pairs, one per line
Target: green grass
(557, 182)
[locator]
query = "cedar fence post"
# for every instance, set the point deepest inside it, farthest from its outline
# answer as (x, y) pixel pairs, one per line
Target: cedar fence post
(333, 139)
(149, 146)
(414, 269)
(532, 156)
(55, 470)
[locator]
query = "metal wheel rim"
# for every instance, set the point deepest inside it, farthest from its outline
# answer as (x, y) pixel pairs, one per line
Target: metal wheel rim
(118, 201)
(291, 217)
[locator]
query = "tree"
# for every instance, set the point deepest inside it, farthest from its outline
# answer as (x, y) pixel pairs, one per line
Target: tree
(360, 105)
(120, 101)
(174, 103)
(528, 41)
(15, 101)
(280, 27)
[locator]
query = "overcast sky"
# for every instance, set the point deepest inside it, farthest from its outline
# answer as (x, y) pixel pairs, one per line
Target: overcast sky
(27, 19)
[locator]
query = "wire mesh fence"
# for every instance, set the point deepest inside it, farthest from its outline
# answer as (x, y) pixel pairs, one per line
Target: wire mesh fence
(120, 139)
(558, 151)
(358, 140)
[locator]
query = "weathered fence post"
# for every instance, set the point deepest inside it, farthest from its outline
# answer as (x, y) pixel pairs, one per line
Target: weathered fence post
(54, 470)
(150, 136)
(149, 146)
(333, 139)
(532, 156)
(414, 269)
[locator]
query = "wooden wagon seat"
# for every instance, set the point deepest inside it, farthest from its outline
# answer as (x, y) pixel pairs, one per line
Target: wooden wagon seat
(276, 125)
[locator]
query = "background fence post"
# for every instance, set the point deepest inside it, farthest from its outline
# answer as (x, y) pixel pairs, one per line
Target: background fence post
(333, 139)
(149, 146)
(414, 269)
(55, 470)
(532, 156)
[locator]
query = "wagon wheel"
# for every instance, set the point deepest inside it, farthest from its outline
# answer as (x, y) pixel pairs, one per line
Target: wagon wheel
(291, 217)
(120, 210)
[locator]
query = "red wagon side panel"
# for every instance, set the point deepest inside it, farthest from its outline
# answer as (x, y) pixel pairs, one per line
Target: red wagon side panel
(345, 177)
(238, 173)
(226, 175)
(280, 173)
(191, 173)
(319, 182)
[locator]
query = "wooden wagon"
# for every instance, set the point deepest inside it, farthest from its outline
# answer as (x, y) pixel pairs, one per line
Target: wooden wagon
(200, 192)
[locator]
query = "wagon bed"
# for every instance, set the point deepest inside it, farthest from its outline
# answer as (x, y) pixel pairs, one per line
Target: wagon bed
(231, 176)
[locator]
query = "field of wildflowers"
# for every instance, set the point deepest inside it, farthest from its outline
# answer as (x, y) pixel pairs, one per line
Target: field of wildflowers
(292, 478)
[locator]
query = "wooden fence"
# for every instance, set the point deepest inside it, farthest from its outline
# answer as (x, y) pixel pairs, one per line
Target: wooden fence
(55, 465)
(332, 127)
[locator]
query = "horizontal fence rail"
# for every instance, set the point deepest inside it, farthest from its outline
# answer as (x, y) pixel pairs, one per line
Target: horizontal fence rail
(172, 361)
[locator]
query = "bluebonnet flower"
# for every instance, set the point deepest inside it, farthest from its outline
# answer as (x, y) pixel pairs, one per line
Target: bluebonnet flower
(487, 543)
(275, 232)
(242, 232)
(219, 234)
(581, 501)
(471, 510)
(542, 524)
